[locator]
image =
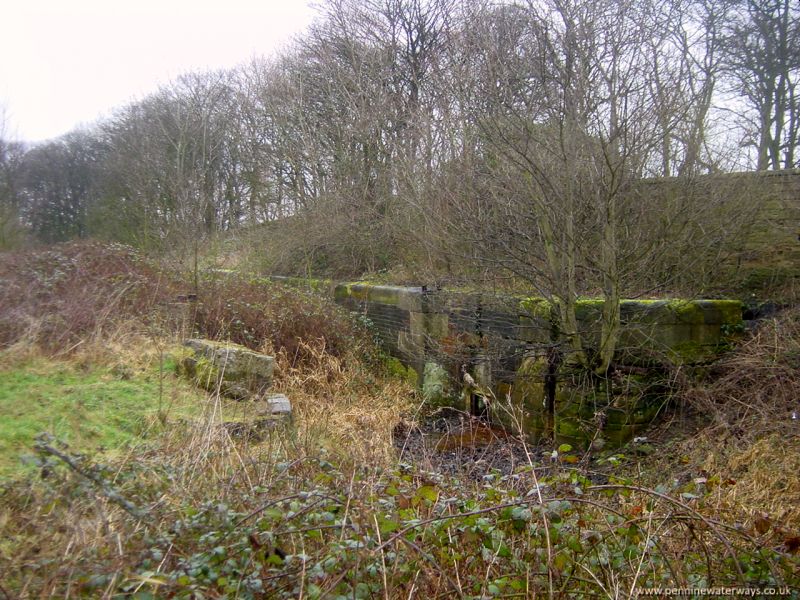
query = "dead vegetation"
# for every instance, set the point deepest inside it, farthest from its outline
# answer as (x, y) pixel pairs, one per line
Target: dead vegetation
(328, 506)
(745, 428)
(755, 388)
(62, 297)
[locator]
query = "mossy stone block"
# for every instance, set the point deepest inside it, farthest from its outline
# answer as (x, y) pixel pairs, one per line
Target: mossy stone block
(396, 368)
(436, 385)
(570, 430)
(406, 298)
(528, 396)
(619, 435)
(646, 311)
(437, 326)
(236, 371)
(430, 326)
(722, 312)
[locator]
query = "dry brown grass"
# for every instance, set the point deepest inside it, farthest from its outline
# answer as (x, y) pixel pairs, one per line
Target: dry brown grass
(768, 479)
(344, 404)
(94, 305)
(756, 388)
(745, 440)
(55, 532)
(203, 489)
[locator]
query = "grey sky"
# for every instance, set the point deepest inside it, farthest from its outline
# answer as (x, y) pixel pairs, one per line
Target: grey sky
(68, 62)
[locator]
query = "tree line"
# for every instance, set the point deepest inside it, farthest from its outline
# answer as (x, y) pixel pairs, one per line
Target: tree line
(381, 98)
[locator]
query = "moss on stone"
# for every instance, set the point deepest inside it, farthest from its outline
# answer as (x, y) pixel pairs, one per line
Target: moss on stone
(437, 326)
(569, 430)
(653, 331)
(412, 376)
(528, 397)
(435, 384)
(731, 311)
(206, 374)
(646, 412)
(529, 382)
(589, 309)
(341, 291)
(628, 403)
(619, 435)
(689, 352)
(184, 360)
(234, 370)
(396, 368)
(687, 312)
(617, 416)
(402, 297)
(648, 301)
(536, 307)
(358, 290)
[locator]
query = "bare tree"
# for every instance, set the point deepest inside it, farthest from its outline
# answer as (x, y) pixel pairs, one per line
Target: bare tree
(58, 186)
(11, 229)
(172, 174)
(566, 126)
(687, 63)
(352, 111)
(763, 60)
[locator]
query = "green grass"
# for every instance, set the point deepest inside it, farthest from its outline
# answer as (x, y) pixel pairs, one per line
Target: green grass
(92, 410)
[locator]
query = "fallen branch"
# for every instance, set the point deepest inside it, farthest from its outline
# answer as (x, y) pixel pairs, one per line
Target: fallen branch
(108, 491)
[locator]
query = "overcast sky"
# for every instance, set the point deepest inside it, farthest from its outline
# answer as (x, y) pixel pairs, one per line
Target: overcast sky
(67, 62)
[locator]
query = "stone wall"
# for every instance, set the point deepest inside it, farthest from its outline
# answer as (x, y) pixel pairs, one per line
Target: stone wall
(512, 348)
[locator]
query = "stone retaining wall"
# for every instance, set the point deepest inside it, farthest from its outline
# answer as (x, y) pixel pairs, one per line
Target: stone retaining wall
(511, 346)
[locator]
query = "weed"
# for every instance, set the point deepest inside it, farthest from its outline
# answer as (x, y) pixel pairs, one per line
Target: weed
(263, 315)
(323, 508)
(61, 297)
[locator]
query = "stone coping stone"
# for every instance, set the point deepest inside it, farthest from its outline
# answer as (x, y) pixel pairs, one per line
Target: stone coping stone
(406, 298)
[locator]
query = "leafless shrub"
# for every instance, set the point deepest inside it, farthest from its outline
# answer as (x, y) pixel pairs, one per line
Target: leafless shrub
(754, 391)
(57, 298)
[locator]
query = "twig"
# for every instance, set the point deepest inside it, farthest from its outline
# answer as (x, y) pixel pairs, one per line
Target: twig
(383, 559)
(105, 488)
(710, 524)
(436, 565)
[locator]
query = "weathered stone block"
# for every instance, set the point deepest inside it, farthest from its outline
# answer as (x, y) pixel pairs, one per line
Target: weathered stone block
(436, 385)
(683, 332)
(529, 396)
(396, 368)
(430, 326)
(274, 404)
(410, 344)
(534, 330)
(536, 321)
(234, 370)
(418, 326)
(406, 298)
(587, 409)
